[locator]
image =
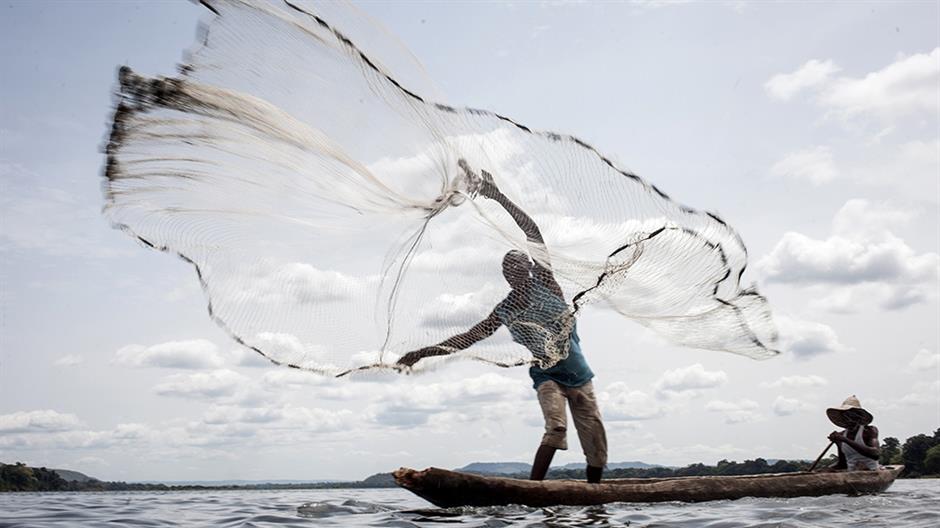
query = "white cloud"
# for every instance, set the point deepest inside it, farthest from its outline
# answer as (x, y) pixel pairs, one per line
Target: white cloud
(316, 420)
(864, 220)
(472, 399)
(307, 284)
(69, 360)
(814, 165)
(461, 310)
(742, 411)
(288, 348)
(619, 403)
(922, 393)
(244, 357)
(42, 421)
(786, 406)
(850, 299)
(300, 283)
(925, 360)
(905, 170)
(403, 415)
(227, 414)
(319, 386)
(813, 73)
(310, 285)
(59, 440)
(464, 260)
(805, 339)
(131, 431)
(906, 87)
(221, 426)
(810, 380)
(798, 258)
(190, 354)
(686, 453)
(292, 378)
(689, 378)
(923, 154)
(862, 262)
(725, 406)
(476, 390)
(215, 384)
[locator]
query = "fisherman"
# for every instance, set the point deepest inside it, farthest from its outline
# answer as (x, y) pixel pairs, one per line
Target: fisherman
(537, 316)
(858, 443)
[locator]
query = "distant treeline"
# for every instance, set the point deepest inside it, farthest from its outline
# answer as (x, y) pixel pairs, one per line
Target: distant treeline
(723, 467)
(920, 455)
(20, 477)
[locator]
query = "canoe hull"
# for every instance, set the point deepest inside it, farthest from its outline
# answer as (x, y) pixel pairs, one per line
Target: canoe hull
(446, 489)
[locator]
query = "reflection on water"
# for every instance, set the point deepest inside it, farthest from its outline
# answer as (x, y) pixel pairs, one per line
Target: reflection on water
(909, 503)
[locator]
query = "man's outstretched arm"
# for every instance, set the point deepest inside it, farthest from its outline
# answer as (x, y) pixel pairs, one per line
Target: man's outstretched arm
(479, 331)
(537, 249)
(528, 226)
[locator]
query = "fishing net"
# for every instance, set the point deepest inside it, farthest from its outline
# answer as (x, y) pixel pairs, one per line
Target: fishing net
(338, 218)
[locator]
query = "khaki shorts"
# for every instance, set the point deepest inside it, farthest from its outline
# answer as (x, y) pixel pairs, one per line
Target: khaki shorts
(584, 412)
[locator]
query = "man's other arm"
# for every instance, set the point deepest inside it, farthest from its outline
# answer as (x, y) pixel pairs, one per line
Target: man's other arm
(478, 332)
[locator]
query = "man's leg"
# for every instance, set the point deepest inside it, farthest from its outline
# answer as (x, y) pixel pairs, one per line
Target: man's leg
(552, 401)
(594, 474)
(587, 420)
(543, 460)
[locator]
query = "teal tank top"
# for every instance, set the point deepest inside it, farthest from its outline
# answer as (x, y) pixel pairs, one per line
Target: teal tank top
(540, 319)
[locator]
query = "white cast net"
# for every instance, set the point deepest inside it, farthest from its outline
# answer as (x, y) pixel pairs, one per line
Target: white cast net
(339, 219)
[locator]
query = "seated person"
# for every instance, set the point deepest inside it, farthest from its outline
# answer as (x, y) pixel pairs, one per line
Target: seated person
(858, 442)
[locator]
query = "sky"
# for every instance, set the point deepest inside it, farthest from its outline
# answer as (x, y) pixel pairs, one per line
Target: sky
(812, 128)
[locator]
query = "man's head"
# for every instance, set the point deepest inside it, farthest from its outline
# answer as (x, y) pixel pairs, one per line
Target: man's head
(516, 268)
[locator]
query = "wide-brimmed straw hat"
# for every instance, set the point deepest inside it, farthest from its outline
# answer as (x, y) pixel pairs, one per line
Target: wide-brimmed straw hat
(837, 414)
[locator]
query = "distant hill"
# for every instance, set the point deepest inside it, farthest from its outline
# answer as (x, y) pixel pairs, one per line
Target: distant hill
(615, 465)
(73, 476)
(380, 480)
(496, 468)
(515, 468)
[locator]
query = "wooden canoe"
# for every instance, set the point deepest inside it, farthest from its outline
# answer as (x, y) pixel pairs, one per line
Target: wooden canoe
(447, 489)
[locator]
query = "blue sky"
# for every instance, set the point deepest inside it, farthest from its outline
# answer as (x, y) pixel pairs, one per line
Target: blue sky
(812, 128)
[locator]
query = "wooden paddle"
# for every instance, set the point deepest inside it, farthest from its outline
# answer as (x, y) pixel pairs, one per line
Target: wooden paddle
(811, 468)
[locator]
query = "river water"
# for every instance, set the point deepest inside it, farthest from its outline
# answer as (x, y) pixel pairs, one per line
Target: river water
(909, 503)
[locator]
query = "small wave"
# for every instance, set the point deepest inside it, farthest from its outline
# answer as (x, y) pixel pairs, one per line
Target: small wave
(347, 507)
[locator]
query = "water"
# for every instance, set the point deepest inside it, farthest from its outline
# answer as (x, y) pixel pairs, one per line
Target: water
(909, 503)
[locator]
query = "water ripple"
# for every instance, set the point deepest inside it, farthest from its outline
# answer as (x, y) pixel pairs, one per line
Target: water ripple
(908, 504)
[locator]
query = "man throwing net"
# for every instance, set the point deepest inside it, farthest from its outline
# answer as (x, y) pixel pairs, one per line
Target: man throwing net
(537, 317)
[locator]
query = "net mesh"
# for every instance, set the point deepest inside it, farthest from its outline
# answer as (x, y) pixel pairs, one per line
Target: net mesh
(339, 220)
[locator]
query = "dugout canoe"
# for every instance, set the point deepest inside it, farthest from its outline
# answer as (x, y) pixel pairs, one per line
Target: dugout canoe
(447, 489)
